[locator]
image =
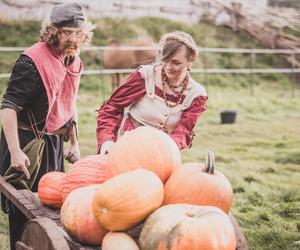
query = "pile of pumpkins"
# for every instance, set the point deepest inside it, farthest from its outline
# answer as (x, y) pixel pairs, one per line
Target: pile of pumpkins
(142, 181)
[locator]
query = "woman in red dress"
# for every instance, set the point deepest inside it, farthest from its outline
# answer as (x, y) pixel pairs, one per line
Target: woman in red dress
(161, 95)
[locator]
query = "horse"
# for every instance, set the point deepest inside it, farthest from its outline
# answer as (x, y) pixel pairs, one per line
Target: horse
(127, 59)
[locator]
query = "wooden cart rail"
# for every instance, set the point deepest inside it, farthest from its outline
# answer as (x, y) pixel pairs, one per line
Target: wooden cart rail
(44, 229)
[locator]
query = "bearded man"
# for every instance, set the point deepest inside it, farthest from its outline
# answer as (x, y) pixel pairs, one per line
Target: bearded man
(40, 104)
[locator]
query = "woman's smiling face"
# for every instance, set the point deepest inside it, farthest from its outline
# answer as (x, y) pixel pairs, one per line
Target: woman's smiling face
(177, 64)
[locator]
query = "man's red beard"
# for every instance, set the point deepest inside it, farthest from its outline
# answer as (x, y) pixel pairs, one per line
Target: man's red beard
(68, 48)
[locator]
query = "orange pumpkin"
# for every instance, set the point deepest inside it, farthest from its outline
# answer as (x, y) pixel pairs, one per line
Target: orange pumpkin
(117, 241)
(90, 161)
(78, 218)
(127, 199)
(87, 171)
(144, 147)
(49, 189)
(199, 184)
(183, 226)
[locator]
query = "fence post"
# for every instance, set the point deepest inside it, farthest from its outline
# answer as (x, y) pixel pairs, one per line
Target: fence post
(293, 75)
(253, 62)
(102, 87)
(205, 67)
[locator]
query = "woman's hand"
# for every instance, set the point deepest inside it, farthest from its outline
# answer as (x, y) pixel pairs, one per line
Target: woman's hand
(105, 148)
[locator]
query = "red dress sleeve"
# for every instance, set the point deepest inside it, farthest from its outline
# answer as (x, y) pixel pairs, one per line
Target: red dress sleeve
(183, 133)
(111, 112)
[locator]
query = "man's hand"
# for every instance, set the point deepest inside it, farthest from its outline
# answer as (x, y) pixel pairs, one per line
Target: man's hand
(72, 154)
(20, 161)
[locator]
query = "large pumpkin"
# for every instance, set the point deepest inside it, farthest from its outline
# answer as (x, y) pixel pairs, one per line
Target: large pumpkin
(87, 171)
(90, 161)
(187, 227)
(78, 219)
(199, 184)
(144, 147)
(127, 199)
(117, 241)
(49, 189)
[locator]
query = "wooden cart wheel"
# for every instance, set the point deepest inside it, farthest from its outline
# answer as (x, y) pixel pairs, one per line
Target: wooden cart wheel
(42, 233)
(241, 242)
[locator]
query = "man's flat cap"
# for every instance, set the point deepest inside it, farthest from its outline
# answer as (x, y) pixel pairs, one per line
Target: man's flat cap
(67, 15)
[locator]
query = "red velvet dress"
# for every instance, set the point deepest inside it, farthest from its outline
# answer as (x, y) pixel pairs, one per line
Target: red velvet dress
(111, 112)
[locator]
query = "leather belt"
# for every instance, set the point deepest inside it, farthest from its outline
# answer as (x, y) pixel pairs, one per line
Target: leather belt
(24, 126)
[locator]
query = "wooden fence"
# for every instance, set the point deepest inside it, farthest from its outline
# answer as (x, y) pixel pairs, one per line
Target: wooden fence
(293, 70)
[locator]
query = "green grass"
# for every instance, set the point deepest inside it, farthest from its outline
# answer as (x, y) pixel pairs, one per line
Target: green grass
(291, 31)
(260, 153)
(4, 237)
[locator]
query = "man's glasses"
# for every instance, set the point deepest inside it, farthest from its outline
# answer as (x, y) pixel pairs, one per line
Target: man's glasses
(70, 33)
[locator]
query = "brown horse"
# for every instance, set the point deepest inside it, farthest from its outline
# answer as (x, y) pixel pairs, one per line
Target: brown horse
(126, 59)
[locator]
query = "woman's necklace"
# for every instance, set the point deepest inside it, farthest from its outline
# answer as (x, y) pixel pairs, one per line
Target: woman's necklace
(182, 85)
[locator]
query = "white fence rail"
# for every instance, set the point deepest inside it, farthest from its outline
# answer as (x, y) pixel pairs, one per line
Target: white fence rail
(195, 70)
(200, 49)
(200, 70)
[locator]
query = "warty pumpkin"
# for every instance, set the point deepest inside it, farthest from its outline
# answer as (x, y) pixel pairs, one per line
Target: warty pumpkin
(117, 241)
(199, 184)
(87, 171)
(90, 161)
(49, 189)
(78, 219)
(125, 200)
(187, 227)
(144, 147)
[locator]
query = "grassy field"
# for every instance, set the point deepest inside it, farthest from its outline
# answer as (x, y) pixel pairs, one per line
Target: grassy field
(260, 153)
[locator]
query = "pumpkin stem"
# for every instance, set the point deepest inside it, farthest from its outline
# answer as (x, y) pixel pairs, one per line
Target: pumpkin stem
(104, 210)
(209, 162)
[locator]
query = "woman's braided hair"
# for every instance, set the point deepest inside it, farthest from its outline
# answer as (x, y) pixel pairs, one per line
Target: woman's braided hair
(183, 38)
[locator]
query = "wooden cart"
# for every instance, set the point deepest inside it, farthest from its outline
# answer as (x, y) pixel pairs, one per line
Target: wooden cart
(44, 230)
